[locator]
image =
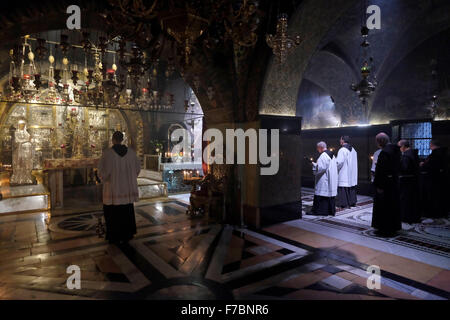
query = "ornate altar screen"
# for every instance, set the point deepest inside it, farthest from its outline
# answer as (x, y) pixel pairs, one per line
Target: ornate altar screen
(57, 132)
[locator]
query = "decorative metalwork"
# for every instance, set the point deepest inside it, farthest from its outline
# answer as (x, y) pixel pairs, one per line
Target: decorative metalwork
(281, 43)
(185, 27)
(97, 86)
(366, 86)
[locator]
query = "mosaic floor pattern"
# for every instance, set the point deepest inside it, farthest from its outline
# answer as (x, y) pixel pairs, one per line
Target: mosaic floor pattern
(429, 236)
(173, 257)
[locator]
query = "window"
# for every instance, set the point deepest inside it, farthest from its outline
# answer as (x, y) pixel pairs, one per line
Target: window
(419, 134)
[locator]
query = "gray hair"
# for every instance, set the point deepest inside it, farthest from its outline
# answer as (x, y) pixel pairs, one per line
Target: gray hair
(322, 144)
(382, 139)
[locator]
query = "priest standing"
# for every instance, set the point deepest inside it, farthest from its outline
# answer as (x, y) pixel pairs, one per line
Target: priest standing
(347, 165)
(118, 170)
(325, 172)
(409, 183)
(386, 207)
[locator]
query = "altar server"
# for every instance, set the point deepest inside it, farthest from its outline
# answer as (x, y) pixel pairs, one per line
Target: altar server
(409, 183)
(118, 170)
(325, 172)
(386, 207)
(347, 165)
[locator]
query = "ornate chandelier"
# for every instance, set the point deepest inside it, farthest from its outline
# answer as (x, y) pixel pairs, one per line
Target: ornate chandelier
(366, 86)
(96, 86)
(281, 43)
(185, 27)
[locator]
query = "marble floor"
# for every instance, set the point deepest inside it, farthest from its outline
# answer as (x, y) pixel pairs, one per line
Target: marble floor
(173, 257)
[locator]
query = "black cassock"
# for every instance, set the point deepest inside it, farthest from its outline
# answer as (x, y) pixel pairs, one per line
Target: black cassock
(434, 184)
(386, 207)
(120, 222)
(409, 187)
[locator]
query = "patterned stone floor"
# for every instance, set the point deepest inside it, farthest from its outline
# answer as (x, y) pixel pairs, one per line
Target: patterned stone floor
(173, 257)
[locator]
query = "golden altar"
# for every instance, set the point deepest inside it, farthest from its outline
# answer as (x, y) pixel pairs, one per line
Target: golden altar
(40, 143)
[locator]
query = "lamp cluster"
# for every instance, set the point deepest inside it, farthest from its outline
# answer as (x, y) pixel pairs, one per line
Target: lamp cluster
(36, 76)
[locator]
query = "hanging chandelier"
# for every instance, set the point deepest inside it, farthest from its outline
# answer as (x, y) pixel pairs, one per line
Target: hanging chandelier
(185, 27)
(96, 86)
(281, 43)
(367, 85)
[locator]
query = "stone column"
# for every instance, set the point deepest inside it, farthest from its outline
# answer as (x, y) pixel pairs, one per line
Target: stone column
(257, 200)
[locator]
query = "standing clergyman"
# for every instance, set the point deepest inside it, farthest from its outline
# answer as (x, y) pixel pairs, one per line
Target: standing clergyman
(325, 172)
(386, 206)
(409, 184)
(118, 169)
(347, 165)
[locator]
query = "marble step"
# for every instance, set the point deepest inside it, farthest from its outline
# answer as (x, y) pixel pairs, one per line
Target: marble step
(24, 199)
(149, 189)
(151, 175)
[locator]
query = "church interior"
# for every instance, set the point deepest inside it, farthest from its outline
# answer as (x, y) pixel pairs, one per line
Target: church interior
(308, 82)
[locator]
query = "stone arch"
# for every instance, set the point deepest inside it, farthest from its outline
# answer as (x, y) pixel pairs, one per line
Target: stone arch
(312, 20)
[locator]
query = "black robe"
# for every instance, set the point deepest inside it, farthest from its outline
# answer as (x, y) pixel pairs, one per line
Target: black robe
(434, 184)
(409, 187)
(386, 207)
(119, 219)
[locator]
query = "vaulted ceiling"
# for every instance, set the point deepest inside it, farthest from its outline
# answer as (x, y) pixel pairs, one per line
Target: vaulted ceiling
(412, 34)
(315, 77)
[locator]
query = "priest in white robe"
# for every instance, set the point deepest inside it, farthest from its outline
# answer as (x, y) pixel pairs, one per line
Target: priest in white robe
(118, 170)
(326, 177)
(347, 165)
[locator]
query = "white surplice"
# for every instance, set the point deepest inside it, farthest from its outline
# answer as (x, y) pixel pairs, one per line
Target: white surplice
(119, 177)
(347, 165)
(344, 167)
(326, 176)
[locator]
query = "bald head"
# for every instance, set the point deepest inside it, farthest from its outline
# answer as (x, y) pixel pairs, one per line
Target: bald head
(382, 139)
(404, 145)
(321, 146)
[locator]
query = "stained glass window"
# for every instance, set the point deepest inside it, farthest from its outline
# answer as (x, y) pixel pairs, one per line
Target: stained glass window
(419, 135)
